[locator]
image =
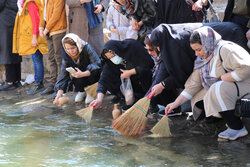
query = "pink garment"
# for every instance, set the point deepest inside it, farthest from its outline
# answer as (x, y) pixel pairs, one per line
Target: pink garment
(34, 14)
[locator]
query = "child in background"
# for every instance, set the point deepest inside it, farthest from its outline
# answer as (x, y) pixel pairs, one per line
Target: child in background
(26, 39)
(117, 23)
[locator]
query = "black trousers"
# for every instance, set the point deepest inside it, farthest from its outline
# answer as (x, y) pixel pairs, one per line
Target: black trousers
(13, 72)
(81, 83)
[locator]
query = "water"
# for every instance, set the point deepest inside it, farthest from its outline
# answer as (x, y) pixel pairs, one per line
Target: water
(34, 133)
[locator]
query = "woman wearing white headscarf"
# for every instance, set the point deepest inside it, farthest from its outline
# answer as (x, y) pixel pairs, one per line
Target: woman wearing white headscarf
(78, 54)
(220, 67)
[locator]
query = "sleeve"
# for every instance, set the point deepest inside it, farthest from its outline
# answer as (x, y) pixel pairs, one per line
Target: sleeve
(149, 16)
(237, 60)
(2, 4)
(109, 17)
(73, 3)
(59, 6)
(193, 85)
(63, 78)
(95, 61)
(34, 14)
(105, 4)
(122, 30)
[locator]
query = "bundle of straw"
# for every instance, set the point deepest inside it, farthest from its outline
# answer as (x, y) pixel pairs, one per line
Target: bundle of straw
(162, 127)
(85, 113)
(134, 120)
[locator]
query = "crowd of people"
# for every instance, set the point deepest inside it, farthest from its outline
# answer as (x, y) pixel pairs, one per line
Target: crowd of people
(165, 47)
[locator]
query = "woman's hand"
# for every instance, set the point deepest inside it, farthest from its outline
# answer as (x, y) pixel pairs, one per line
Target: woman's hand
(169, 108)
(99, 8)
(34, 41)
(197, 6)
(227, 77)
(58, 95)
(113, 29)
(156, 90)
(96, 103)
(136, 26)
(77, 74)
(127, 73)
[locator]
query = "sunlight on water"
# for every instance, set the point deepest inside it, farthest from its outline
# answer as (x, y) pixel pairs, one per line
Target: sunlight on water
(36, 133)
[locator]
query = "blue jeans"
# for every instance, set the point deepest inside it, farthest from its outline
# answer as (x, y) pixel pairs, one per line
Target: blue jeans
(37, 59)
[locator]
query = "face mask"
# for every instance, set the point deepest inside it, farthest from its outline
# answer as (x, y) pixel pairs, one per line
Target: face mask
(116, 59)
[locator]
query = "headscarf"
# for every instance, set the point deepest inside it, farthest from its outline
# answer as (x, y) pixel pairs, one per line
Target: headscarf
(176, 53)
(209, 40)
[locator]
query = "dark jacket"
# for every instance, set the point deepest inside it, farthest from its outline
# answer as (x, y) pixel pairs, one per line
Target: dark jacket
(89, 60)
(134, 56)
(8, 11)
(145, 11)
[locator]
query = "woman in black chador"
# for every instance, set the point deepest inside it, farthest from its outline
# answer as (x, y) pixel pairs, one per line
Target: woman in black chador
(124, 59)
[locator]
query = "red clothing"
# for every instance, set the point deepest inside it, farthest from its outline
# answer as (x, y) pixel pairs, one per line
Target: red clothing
(34, 14)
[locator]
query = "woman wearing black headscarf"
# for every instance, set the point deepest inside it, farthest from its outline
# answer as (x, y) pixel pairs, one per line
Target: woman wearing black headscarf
(124, 59)
(176, 53)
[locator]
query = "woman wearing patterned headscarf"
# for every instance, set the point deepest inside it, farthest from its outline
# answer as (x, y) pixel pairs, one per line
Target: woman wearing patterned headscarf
(220, 66)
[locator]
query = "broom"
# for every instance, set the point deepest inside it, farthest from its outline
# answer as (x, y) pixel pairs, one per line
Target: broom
(85, 113)
(162, 127)
(134, 120)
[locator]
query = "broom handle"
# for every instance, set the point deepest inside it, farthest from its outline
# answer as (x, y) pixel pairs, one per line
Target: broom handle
(149, 95)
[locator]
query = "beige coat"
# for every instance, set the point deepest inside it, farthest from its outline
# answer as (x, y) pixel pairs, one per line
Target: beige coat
(222, 95)
(78, 24)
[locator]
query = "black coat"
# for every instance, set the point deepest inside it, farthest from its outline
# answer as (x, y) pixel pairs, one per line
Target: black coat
(8, 11)
(89, 60)
(177, 11)
(176, 53)
(134, 56)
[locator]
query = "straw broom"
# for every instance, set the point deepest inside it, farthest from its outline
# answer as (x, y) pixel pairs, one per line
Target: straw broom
(134, 120)
(85, 113)
(162, 127)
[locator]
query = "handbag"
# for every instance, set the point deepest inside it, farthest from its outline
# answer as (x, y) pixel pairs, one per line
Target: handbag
(242, 106)
(214, 15)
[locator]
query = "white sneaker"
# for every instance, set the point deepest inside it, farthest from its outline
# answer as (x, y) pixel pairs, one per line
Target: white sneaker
(88, 99)
(232, 134)
(79, 97)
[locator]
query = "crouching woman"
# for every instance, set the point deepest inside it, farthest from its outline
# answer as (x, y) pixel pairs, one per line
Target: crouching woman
(79, 55)
(220, 67)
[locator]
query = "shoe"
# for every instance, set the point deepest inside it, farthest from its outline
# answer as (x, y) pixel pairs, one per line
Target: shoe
(48, 90)
(125, 107)
(36, 87)
(88, 99)
(5, 86)
(232, 134)
(79, 97)
(212, 119)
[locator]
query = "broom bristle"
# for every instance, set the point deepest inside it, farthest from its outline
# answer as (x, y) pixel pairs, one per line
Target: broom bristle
(134, 120)
(85, 113)
(162, 127)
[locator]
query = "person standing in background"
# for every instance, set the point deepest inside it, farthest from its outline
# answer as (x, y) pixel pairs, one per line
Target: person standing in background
(53, 26)
(85, 20)
(117, 23)
(26, 39)
(12, 62)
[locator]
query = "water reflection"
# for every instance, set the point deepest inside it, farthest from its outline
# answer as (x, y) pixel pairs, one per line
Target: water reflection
(36, 133)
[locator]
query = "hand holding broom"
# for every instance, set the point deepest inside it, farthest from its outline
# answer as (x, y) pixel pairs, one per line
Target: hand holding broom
(134, 120)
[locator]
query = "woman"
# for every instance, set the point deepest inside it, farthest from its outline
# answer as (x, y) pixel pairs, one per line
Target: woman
(79, 55)
(26, 39)
(220, 66)
(12, 62)
(159, 94)
(124, 59)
